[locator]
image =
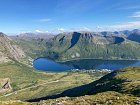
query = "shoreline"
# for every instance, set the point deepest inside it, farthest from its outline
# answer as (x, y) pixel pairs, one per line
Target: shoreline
(86, 59)
(97, 59)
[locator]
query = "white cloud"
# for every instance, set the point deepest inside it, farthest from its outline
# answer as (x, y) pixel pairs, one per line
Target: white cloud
(136, 15)
(22, 32)
(85, 29)
(37, 31)
(80, 29)
(61, 29)
(128, 25)
(119, 26)
(40, 31)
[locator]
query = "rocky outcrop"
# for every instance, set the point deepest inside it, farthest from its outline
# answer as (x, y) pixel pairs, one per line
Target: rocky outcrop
(5, 85)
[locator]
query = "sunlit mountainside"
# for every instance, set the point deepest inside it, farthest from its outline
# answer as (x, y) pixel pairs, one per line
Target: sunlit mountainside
(70, 52)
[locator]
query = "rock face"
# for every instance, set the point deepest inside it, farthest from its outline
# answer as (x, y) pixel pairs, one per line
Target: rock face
(5, 85)
(90, 37)
(9, 50)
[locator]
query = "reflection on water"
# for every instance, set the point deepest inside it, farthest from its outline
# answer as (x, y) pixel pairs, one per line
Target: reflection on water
(102, 64)
(49, 65)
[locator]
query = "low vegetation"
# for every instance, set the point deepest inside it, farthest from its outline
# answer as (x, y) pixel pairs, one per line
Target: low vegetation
(105, 98)
(120, 87)
(125, 81)
(29, 84)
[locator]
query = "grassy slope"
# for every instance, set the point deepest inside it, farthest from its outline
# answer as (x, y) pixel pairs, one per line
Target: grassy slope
(22, 77)
(124, 81)
(116, 88)
(105, 98)
(121, 87)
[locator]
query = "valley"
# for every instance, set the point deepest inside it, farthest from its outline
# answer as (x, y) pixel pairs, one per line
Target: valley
(74, 86)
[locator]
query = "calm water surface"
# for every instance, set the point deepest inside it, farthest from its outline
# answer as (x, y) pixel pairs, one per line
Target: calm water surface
(45, 64)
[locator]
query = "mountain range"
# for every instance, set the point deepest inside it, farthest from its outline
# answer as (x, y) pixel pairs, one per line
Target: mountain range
(73, 45)
(66, 46)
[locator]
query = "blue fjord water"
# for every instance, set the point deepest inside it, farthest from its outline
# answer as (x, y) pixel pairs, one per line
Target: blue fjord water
(49, 65)
(45, 64)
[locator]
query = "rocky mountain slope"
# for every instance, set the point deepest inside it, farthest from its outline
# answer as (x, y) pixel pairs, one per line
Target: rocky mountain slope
(33, 44)
(9, 50)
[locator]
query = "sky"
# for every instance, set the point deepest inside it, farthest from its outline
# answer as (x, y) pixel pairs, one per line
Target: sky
(68, 15)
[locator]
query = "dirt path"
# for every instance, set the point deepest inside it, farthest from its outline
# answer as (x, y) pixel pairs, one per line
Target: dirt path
(16, 92)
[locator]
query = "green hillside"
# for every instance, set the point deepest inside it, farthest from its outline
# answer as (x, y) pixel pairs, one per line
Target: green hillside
(68, 46)
(26, 83)
(120, 87)
(125, 81)
(104, 98)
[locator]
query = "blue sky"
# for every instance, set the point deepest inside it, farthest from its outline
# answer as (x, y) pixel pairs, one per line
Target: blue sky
(68, 15)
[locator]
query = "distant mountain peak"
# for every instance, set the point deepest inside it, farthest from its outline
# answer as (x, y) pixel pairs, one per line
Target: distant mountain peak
(2, 34)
